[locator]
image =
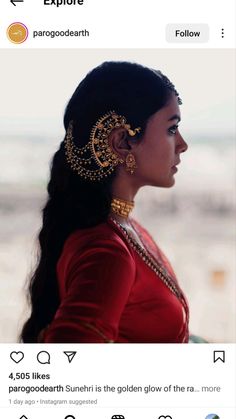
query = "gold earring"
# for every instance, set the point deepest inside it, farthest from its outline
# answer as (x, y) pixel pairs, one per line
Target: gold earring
(130, 163)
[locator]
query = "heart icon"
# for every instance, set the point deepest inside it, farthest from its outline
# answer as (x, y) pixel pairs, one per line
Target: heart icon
(17, 356)
(165, 417)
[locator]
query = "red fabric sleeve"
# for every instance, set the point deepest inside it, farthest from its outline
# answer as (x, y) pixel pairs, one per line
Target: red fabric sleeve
(97, 282)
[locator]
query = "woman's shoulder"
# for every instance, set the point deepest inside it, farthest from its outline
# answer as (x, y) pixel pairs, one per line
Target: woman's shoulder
(103, 235)
(95, 246)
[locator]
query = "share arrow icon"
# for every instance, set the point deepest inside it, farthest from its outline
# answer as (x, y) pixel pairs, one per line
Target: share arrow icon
(70, 355)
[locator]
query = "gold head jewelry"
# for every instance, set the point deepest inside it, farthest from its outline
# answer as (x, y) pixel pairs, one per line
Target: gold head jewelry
(121, 207)
(96, 160)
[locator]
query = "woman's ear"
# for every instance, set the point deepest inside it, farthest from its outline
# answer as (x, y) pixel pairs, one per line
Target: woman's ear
(118, 139)
(120, 142)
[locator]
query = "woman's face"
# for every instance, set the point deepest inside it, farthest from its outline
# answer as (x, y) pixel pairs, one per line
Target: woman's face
(158, 153)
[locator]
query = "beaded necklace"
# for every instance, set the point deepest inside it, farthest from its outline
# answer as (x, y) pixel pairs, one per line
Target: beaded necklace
(152, 263)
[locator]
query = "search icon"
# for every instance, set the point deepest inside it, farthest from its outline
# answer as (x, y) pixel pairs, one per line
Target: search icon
(43, 357)
(69, 417)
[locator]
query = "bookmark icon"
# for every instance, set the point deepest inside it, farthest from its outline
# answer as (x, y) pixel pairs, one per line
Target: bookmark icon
(70, 355)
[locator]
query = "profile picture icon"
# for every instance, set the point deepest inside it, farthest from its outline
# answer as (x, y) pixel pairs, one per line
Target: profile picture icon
(212, 416)
(17, 33)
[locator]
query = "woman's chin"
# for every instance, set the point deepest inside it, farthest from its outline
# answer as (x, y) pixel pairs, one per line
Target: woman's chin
(168, 183)
(172, 182)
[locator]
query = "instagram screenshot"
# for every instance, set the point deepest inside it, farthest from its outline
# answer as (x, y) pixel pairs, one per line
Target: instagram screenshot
(117, 208)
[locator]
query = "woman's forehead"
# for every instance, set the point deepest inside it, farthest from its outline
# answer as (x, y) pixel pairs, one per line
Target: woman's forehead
(169, 113)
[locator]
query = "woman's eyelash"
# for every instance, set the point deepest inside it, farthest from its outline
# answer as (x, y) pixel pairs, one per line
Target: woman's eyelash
(173, 129)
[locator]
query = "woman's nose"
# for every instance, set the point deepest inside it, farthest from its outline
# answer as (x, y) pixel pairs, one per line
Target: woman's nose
(181, 144)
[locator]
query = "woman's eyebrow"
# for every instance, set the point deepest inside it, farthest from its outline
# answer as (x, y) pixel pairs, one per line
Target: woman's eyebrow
(175, 117)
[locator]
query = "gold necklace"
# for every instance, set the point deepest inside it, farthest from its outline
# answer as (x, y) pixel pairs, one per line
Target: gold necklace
(121, 207)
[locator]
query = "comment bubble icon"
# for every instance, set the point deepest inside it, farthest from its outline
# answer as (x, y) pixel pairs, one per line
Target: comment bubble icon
(43, 357)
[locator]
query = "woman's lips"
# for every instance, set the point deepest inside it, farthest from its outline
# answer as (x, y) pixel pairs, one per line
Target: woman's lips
(174, 168)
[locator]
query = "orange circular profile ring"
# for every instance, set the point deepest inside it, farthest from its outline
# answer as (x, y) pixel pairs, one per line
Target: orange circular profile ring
(17, 32)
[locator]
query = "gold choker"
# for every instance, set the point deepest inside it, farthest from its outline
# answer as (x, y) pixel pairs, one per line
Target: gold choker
(121, 207)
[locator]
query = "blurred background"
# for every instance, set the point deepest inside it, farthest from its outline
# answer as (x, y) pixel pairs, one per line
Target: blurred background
(193, 222)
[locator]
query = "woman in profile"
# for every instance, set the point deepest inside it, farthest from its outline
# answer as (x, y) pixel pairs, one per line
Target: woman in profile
(100, 277)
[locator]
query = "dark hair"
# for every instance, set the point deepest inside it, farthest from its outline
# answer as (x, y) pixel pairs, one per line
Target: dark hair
(131, 90)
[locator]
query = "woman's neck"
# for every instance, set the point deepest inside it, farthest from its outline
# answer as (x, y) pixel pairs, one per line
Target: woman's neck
(124, 189)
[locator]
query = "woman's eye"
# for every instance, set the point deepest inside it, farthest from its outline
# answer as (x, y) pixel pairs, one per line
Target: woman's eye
(172, 130)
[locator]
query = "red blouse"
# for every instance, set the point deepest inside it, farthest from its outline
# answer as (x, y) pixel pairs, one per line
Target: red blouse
(109, 293)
